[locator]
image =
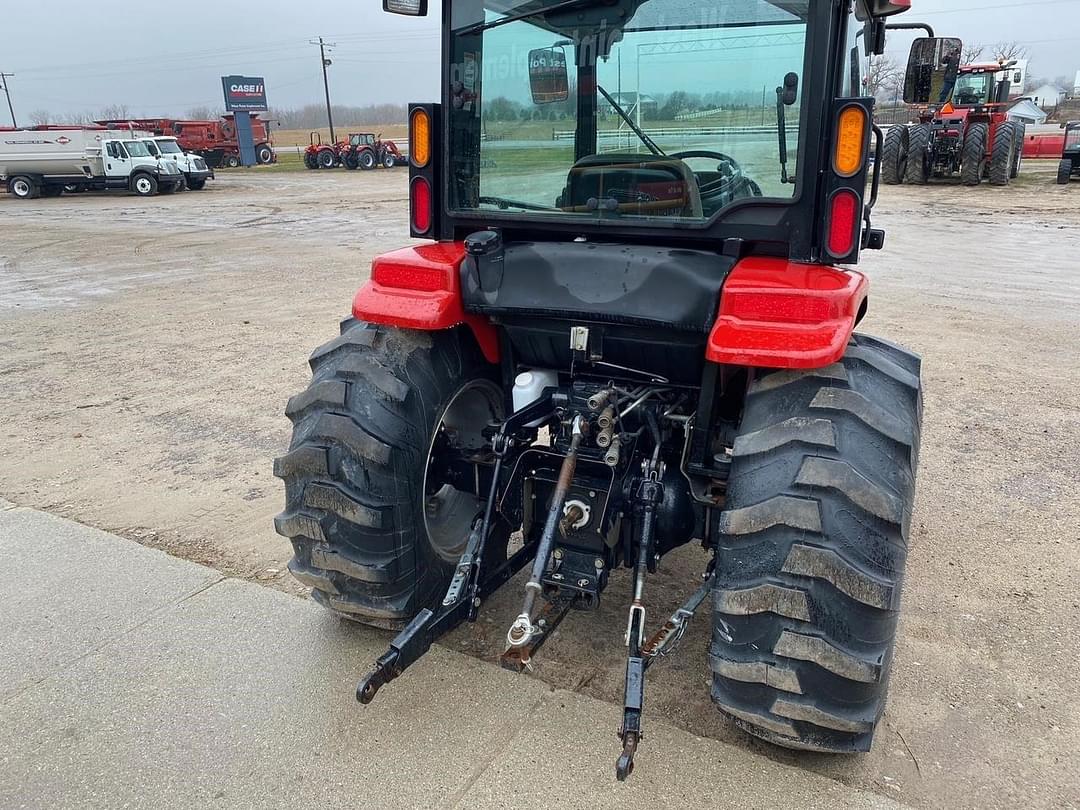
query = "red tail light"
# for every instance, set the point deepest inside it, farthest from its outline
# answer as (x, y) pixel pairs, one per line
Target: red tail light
(420, 204)
(843, 217)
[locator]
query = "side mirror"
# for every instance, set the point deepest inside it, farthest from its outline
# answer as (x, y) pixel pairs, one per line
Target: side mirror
(548, 79)
(410, 8)
(790, 91)
(931, 70)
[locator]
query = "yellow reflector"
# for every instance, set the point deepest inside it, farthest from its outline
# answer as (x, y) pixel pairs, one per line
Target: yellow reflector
(850, 137)
(420, 138)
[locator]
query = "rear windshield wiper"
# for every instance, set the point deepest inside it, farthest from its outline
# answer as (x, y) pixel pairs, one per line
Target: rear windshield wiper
(524, 15)
(504, 203)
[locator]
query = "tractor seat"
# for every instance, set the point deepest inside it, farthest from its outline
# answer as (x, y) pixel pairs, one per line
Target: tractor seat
(627, 183)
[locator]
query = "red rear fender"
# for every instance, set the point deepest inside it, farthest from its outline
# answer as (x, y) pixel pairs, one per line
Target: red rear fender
(420, 288)
(777, 314)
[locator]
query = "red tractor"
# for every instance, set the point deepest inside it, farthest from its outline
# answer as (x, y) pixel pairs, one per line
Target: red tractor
(366, 150)
(319, 155)
(599, 357)
(963, 130)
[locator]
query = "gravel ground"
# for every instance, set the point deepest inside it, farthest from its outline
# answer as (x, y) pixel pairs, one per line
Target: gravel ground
(147, 348)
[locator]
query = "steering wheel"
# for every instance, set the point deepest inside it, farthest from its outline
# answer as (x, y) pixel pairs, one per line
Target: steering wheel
(732, 180)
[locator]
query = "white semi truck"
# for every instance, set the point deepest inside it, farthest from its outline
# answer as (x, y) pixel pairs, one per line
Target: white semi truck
(193, 167)
(45, 162)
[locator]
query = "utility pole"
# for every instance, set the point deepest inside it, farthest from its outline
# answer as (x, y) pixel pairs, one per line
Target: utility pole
(3, 80)
(326, 83)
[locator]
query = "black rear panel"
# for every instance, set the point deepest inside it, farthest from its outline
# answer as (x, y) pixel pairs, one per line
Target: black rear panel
(673, 288)
(647, 308)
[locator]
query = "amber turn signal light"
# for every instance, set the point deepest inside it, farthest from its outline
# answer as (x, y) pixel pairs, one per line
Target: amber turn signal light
(850, 141)
(420, 138)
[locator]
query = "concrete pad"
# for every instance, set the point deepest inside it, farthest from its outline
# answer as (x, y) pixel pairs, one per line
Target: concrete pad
(66, 589)
(573, 736)
(156, 684)
(245, 696)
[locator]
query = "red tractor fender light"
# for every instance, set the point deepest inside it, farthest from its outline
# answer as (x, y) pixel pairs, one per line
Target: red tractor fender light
(843, 219)
(420, 204)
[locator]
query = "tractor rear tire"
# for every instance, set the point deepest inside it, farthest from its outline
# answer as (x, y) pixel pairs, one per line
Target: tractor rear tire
(311, 161)
(326, 159)
(1001, 158)
(373, 537)
(1065, 169)
(1019, 135)
(973, 154)
(813, 541)
(917, 168)
(350, 162)
(894, 155)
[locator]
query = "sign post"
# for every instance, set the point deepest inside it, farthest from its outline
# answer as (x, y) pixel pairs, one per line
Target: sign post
(243, 96)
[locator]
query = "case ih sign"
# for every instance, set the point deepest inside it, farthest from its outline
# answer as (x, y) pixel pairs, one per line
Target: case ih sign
(244, 93)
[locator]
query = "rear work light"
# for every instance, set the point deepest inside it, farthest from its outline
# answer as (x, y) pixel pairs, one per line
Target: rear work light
(420, 205)
(843, 219)
(420, 137)
(848, 156)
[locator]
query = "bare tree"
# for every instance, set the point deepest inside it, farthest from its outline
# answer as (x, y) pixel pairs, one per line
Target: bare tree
(114, 112)
(39, 117)
(971, 53)
(1004, 51)
(884, 76)
(204, 113)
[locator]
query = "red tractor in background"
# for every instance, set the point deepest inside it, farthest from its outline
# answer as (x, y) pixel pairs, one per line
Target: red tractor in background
(964, 130)
(319, 155)
(213, 140)
(363, 150)
(366, 150)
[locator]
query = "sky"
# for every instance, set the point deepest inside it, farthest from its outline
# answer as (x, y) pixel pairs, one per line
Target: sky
(68, 56)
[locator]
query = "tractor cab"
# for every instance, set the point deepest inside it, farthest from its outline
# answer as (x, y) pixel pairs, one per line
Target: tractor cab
(1069, 167)
(361, 139)
(653, 120)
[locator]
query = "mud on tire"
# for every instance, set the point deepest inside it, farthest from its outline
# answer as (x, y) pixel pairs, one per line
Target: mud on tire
(355, 471)
(1003, 154)
(917, 167)
(894, 155)
(812, 548)
(973, 154)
